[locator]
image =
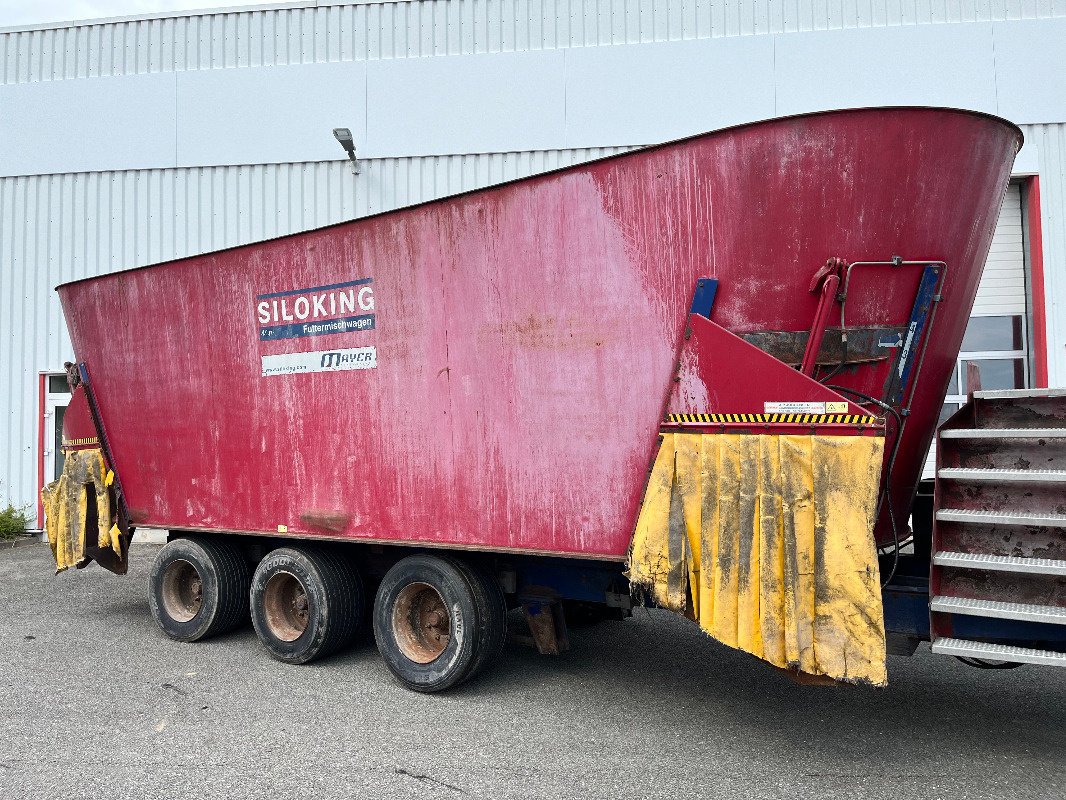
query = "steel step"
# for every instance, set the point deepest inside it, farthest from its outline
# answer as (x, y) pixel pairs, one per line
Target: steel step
(1001, 518)
(1004, 433)
(1017, 394)
(1029, 566)
(998, 609)
(998, 652)
(1004, 475)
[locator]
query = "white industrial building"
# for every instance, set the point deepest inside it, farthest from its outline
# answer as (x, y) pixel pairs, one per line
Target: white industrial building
(129, 141)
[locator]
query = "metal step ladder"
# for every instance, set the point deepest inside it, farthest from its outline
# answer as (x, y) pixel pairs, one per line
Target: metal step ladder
(998, 571)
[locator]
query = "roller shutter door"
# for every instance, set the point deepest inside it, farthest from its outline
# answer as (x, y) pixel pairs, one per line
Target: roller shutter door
(1002, 289)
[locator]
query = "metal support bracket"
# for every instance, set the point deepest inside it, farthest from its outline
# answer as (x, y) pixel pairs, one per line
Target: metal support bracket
(547, 623)
(123, 516)
(703, 299)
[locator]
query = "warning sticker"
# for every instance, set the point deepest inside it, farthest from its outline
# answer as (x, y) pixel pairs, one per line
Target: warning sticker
(796, 407)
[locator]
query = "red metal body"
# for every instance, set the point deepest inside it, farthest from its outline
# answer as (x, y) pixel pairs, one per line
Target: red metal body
(525, 337)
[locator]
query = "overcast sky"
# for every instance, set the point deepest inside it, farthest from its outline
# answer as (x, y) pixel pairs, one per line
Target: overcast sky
(26, 12)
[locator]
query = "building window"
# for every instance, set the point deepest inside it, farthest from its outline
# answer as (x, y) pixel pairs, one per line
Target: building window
(999, 348)
(57, 384)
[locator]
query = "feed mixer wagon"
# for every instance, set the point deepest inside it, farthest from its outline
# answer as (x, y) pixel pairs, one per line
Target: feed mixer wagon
(702, 376)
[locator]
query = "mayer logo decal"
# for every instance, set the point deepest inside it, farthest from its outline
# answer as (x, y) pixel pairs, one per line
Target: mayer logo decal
(321, 361)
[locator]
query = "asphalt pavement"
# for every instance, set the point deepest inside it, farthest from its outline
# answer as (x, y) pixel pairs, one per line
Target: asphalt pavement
(96, 702)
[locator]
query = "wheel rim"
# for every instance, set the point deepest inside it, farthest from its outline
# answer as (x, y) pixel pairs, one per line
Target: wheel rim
(421, 624)
(183, 590)
(285, 606)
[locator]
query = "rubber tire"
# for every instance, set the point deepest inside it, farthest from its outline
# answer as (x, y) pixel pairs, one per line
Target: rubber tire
(468, 617)
(334, 598)
(493, 607)
(225, 577)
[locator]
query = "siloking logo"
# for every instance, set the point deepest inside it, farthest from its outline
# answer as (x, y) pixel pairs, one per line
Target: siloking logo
(317, 311)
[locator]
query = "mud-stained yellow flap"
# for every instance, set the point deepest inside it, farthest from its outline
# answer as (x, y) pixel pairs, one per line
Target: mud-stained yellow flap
(766, 540)
(77, 510)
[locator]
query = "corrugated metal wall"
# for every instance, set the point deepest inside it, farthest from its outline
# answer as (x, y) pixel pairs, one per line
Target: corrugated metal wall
(450, 27)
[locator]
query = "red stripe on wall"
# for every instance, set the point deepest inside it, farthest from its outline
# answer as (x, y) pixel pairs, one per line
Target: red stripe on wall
(1036, 272)
(42, 388)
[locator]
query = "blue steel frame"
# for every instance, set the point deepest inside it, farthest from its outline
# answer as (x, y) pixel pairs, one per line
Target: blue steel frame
(905, 600)
(703, 298)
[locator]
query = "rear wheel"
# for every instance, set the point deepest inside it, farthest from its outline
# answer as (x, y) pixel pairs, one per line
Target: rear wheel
(493, 608)
(433, 622)
(306, 603)
(199, 588)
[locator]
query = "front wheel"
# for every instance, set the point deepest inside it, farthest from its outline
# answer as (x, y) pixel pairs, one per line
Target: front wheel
(198, 588)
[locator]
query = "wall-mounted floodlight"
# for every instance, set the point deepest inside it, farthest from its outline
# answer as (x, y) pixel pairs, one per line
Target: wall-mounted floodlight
(344, 136)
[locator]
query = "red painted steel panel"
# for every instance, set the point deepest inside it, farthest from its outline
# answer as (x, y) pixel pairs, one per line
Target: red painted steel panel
(525, 336)
(710, 352)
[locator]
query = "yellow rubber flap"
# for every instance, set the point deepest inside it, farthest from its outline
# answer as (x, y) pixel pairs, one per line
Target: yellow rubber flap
(66, 506)
(767, 542)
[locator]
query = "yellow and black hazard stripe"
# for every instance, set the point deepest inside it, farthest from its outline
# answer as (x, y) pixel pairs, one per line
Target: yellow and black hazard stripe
(795, 419)
(80, 442)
